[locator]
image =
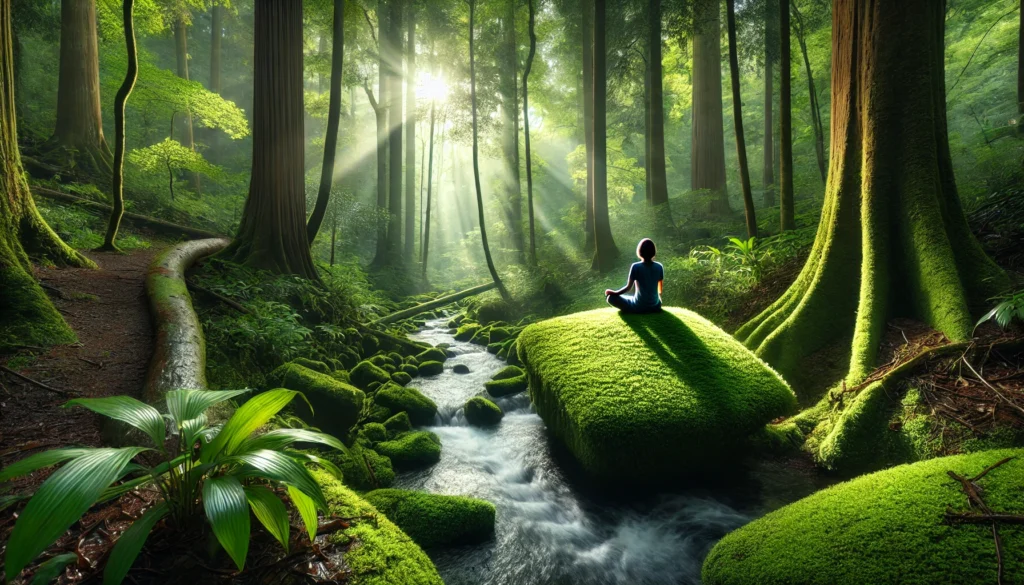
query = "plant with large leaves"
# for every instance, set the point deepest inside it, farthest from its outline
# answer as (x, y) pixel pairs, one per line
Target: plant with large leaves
(218, 471)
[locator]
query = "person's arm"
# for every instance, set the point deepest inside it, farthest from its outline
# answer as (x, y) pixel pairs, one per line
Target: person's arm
(629, 284)
(661, 287)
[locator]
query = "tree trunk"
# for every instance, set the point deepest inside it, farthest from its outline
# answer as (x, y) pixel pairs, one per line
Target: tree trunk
(768, 169)
(272, 234)
(648, 188)
(380, 110)
(27, 317)
(816, 122)
(1020, 60)
(323, 195)
(605, 252)
(410, 144)
(120, 101)
(513, 203)
(181, 54)
(526, 133)
(216, 84)
(786, 119)
(476, 157)
(430, 175)
(78, 135)
(396, 119)
(587, 10)
(659, 183)
(737, 113)
(707, 154)
(893, 239)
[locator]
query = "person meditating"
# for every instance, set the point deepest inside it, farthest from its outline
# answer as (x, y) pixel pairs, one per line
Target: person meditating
(649, 277)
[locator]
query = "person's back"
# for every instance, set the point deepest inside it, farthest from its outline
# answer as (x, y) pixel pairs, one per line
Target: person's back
(647, 275)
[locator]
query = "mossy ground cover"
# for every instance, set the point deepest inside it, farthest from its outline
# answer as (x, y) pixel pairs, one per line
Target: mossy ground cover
(886, 527)
(434, 520)
(642, 398)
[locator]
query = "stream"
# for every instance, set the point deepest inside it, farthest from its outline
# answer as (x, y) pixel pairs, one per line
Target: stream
(550, 531)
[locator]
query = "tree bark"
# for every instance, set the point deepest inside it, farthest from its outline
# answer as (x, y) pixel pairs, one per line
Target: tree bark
(27, 317)
(272, 234)
(768, 168)
(181, 55)
(737, 113)
(216, 83)
(380, 110)
(1020, 59)
(816, 122)
(707, 154)
(587, 11)
(605, 252)
(120, 101)
(893, 239)
(410, 139)
(323, 196)
(476, 157)
(513, 203)
(659, 182)
(526, 132)
(396, 120)
(787, 212)
(430, 175)
(78, 135)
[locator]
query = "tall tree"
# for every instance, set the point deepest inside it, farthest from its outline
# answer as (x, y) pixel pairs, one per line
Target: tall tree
(396, 120)
(787, 212)
(656, 115)
(272, 233)
(816, 122)
(430, 175)
(78, 135)
(1020, 58)
(605, 252)
(380, 111)
(120, 101)
(526, 130)
(323, 195)
(587, 14)
(737, 113)
(513, 199)
(476, 156)
(410, 139)
(187, 137)
(216, 80)
(707, 153)
(770, 53)
(893, 239)
(27, 317)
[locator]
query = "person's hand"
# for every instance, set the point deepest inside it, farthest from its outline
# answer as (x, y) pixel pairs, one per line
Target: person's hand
(608, 292)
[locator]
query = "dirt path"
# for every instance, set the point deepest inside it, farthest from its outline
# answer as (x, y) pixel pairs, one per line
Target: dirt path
(107, 309)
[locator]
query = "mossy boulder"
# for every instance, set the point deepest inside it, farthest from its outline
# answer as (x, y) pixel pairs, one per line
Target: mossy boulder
(433, 520)
(398, 423)
(490, 310)
(461, 369)
(370, 344)
(363, 468)
(412, 450)
(467, 331)
(401, 378)
(410, 369)
(395, 357)
(433, 354)
(376, 552)
(375, 432)
(313, 365)
(366, 372)
(482, 412)
(886, 527)
(431, 368)
(507, 386)
(341, 376)
(379, 360)
(374, 412)
(644, 399)
(336, 405)
(421, 410)
(508, 372)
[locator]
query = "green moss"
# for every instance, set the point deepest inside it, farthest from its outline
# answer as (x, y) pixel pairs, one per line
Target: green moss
(488, 311)
(886, 527)
(410, 369)
(412, 450)
(431, 355)
(858, 437)
(399, 423)
(384, 555)
(421, 409)
(363, 468)
(431, 368)
(433, 520)
(482, 412)
(374, 412)
(401, 378)
(481, 337)
(379, 360)
(375, 432)
(508, 372)
(27, 317)
(336, 405)
(494, 348)
(507, 386)
(632, 396)
(396, 358)
(341, 376)
(499, 334)
(314, 365)
(366, 372)
(467, 331)
(370, 344)
(412, 360)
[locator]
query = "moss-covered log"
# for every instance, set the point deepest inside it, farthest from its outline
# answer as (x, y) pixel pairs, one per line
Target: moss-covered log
(434, 304)
(434, 520)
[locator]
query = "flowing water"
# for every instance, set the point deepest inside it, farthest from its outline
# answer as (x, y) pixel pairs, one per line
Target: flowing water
(550, 530)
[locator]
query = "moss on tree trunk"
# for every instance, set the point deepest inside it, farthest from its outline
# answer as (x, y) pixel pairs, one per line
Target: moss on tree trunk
(893, 239)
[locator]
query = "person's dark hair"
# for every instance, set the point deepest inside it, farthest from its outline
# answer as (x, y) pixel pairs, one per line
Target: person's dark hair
(645, 250)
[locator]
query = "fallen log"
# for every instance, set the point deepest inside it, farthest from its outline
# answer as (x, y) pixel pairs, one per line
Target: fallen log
(434, 304)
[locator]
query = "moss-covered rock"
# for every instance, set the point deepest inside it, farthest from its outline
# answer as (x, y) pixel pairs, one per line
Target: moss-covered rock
(374, 412)
(412, 450)
(431, 368)
(370, 344)
(366, 372)
(482, 412)
(481, 337)
(488, 311)
(508, 372)
(401, 378)
(336, 405)
(467, 331)
(431, 355)
(507, 386)
(433, 520)
(389, 368)
(379, 360)
(499, 334)
(412, 360)
(494, 348)
(315, 365)
(395, 357)
(398, 423)
(381, 554)
(375, 432)
(461, 369)
(421, 409)
(362, 467)
(410, 369)
(886, 527)
(645, 398)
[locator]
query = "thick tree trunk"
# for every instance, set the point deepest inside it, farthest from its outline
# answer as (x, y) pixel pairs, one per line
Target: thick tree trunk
(410, 139)
(605, 252)
(272, 234)
(737, 113)
(26, 315)
(120, 101)
(396, 120)
(768, 169)
(216, 83)
(587, 10)
(476, 157)
(893, 239)
(648, 188)
(513, 203)
(526, 132)
(787, 212)
(430, 176)
(181, 55)
(1020, 59)
(816, 122)
(659, 182)
(323, 195)
(78, 135)
(707, 153)
(380, 110)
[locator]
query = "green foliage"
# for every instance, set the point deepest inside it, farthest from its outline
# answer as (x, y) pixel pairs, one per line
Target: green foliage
(83, 229)
(433, 520)
(170, 156)
(203, 464)
(1009, 308)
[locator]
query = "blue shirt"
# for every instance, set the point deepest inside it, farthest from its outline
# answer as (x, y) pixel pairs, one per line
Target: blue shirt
(647, 276)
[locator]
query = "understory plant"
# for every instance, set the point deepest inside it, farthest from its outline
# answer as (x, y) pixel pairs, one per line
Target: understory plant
(216, 471)
(1010, 307)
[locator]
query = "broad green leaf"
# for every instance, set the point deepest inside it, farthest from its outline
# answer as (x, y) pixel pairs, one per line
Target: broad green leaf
(49, 570)
(228, 512)
(277, 466)
(61, 500)
(325, 463)
(41, 460)
(189, 404)
(9, 500)
(270, 511)
(127, 548)
(192, 428)
(278, 439)
(128, 410)
(249, 417)
(307, 509)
